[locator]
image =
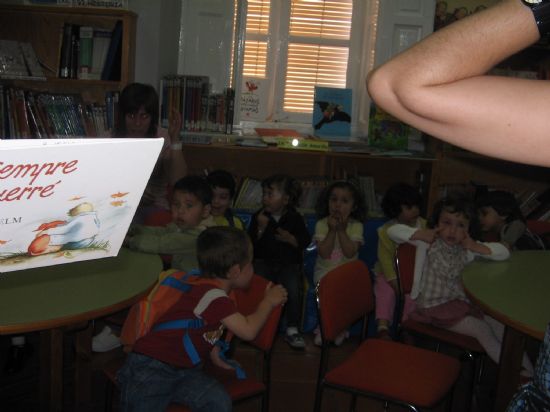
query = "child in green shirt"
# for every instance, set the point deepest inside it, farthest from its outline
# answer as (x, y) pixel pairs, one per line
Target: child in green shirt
(190, 206)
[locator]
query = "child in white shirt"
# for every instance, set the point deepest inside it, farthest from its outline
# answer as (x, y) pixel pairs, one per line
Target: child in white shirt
(442, 252)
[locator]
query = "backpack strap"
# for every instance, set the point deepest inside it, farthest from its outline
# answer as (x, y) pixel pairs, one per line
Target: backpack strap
(187, 343)
(224, 347)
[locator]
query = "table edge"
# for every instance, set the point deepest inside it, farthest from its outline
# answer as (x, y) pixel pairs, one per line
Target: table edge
(535, 333)
(70, 320)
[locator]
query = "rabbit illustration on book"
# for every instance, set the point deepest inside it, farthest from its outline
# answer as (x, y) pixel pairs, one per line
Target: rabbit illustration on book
(78, 232)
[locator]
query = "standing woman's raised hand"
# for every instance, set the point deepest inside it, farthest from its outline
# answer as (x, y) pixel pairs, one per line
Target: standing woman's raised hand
(174, 126)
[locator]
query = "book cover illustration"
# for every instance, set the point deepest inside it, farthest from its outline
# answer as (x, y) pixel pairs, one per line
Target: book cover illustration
(253, 99)
(387, 132)
(332, 112)
(69, 200)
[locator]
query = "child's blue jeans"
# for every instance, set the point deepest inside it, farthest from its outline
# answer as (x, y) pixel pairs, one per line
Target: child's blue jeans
(147, 384)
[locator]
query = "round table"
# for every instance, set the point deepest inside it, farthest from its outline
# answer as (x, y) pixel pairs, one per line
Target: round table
(516, 293)
(50, 298)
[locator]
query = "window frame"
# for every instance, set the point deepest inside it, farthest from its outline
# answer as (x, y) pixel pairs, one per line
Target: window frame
(278, 39)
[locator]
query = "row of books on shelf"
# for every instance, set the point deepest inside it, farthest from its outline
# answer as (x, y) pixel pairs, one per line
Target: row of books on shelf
(201, 109)
(90, 53)
(249, 194)
(30, 115)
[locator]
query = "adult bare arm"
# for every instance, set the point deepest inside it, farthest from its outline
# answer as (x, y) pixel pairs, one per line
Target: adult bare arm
(439, 86)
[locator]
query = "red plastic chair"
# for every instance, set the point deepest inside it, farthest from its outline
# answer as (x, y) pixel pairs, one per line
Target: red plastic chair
(389, 371)
(540, 228)
(469, 346)
(239, 389)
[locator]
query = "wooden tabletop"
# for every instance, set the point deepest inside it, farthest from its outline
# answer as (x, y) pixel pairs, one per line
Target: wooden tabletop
(516, 291)
(55, 296)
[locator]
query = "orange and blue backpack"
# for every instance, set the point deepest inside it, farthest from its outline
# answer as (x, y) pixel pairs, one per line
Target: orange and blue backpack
(143, 315)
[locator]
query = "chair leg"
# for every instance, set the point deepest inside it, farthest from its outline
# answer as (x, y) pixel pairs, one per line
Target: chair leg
(318, 397)
(265, 402)
(353, 402)
(109, 391)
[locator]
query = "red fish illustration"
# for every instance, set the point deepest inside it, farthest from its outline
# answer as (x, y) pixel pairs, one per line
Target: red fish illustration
(49, 225)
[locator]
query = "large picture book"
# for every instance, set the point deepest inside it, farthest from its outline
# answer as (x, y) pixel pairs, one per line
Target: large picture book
(67, 200)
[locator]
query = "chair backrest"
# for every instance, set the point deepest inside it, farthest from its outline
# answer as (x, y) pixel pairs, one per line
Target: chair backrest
(538, 227)
(344, 295)
(405, 255)
(247, 303)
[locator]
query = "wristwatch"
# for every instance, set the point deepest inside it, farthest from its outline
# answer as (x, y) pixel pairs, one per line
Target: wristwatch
(541, 12)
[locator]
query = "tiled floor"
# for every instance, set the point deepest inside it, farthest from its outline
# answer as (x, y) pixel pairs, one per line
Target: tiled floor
(294, 374)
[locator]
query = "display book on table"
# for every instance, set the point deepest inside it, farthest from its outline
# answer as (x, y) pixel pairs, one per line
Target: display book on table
(201, 109)
(332, 112)
(26, 114)
(80, 187)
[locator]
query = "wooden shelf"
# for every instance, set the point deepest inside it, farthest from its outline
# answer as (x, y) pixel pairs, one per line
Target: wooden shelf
(42, 26)
(262, 162)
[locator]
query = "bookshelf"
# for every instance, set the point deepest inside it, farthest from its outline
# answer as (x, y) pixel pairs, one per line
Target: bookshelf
(259, 163)
(42, 26)
(457, 168)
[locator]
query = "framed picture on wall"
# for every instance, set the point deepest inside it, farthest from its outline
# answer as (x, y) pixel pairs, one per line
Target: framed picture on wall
(449, 11)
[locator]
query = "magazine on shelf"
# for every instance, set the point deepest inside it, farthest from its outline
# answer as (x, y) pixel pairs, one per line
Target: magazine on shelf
(68, 200)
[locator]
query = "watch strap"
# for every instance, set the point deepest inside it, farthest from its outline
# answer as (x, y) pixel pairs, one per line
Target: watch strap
(541, 13)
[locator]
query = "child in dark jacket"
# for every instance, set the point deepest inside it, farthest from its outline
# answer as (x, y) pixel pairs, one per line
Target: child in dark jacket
(279, 235)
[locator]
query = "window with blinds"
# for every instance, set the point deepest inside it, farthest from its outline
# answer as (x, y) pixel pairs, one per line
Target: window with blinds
(313, 37)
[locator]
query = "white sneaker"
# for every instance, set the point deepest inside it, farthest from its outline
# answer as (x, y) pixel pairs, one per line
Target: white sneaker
(105, 340)
(341, 338)
(317, 340)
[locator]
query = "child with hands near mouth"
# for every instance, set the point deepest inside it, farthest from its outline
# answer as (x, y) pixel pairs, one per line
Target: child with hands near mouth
(443, 250)
(338, 232)
(280, 236)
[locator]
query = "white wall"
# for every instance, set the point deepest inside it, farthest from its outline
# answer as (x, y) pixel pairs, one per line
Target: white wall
(206, 37)
(157, 39)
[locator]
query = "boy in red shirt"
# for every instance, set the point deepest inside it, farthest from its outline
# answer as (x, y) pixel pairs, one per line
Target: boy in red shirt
(161, 369)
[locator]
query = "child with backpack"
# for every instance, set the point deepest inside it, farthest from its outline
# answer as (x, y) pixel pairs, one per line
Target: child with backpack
(164, 366)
